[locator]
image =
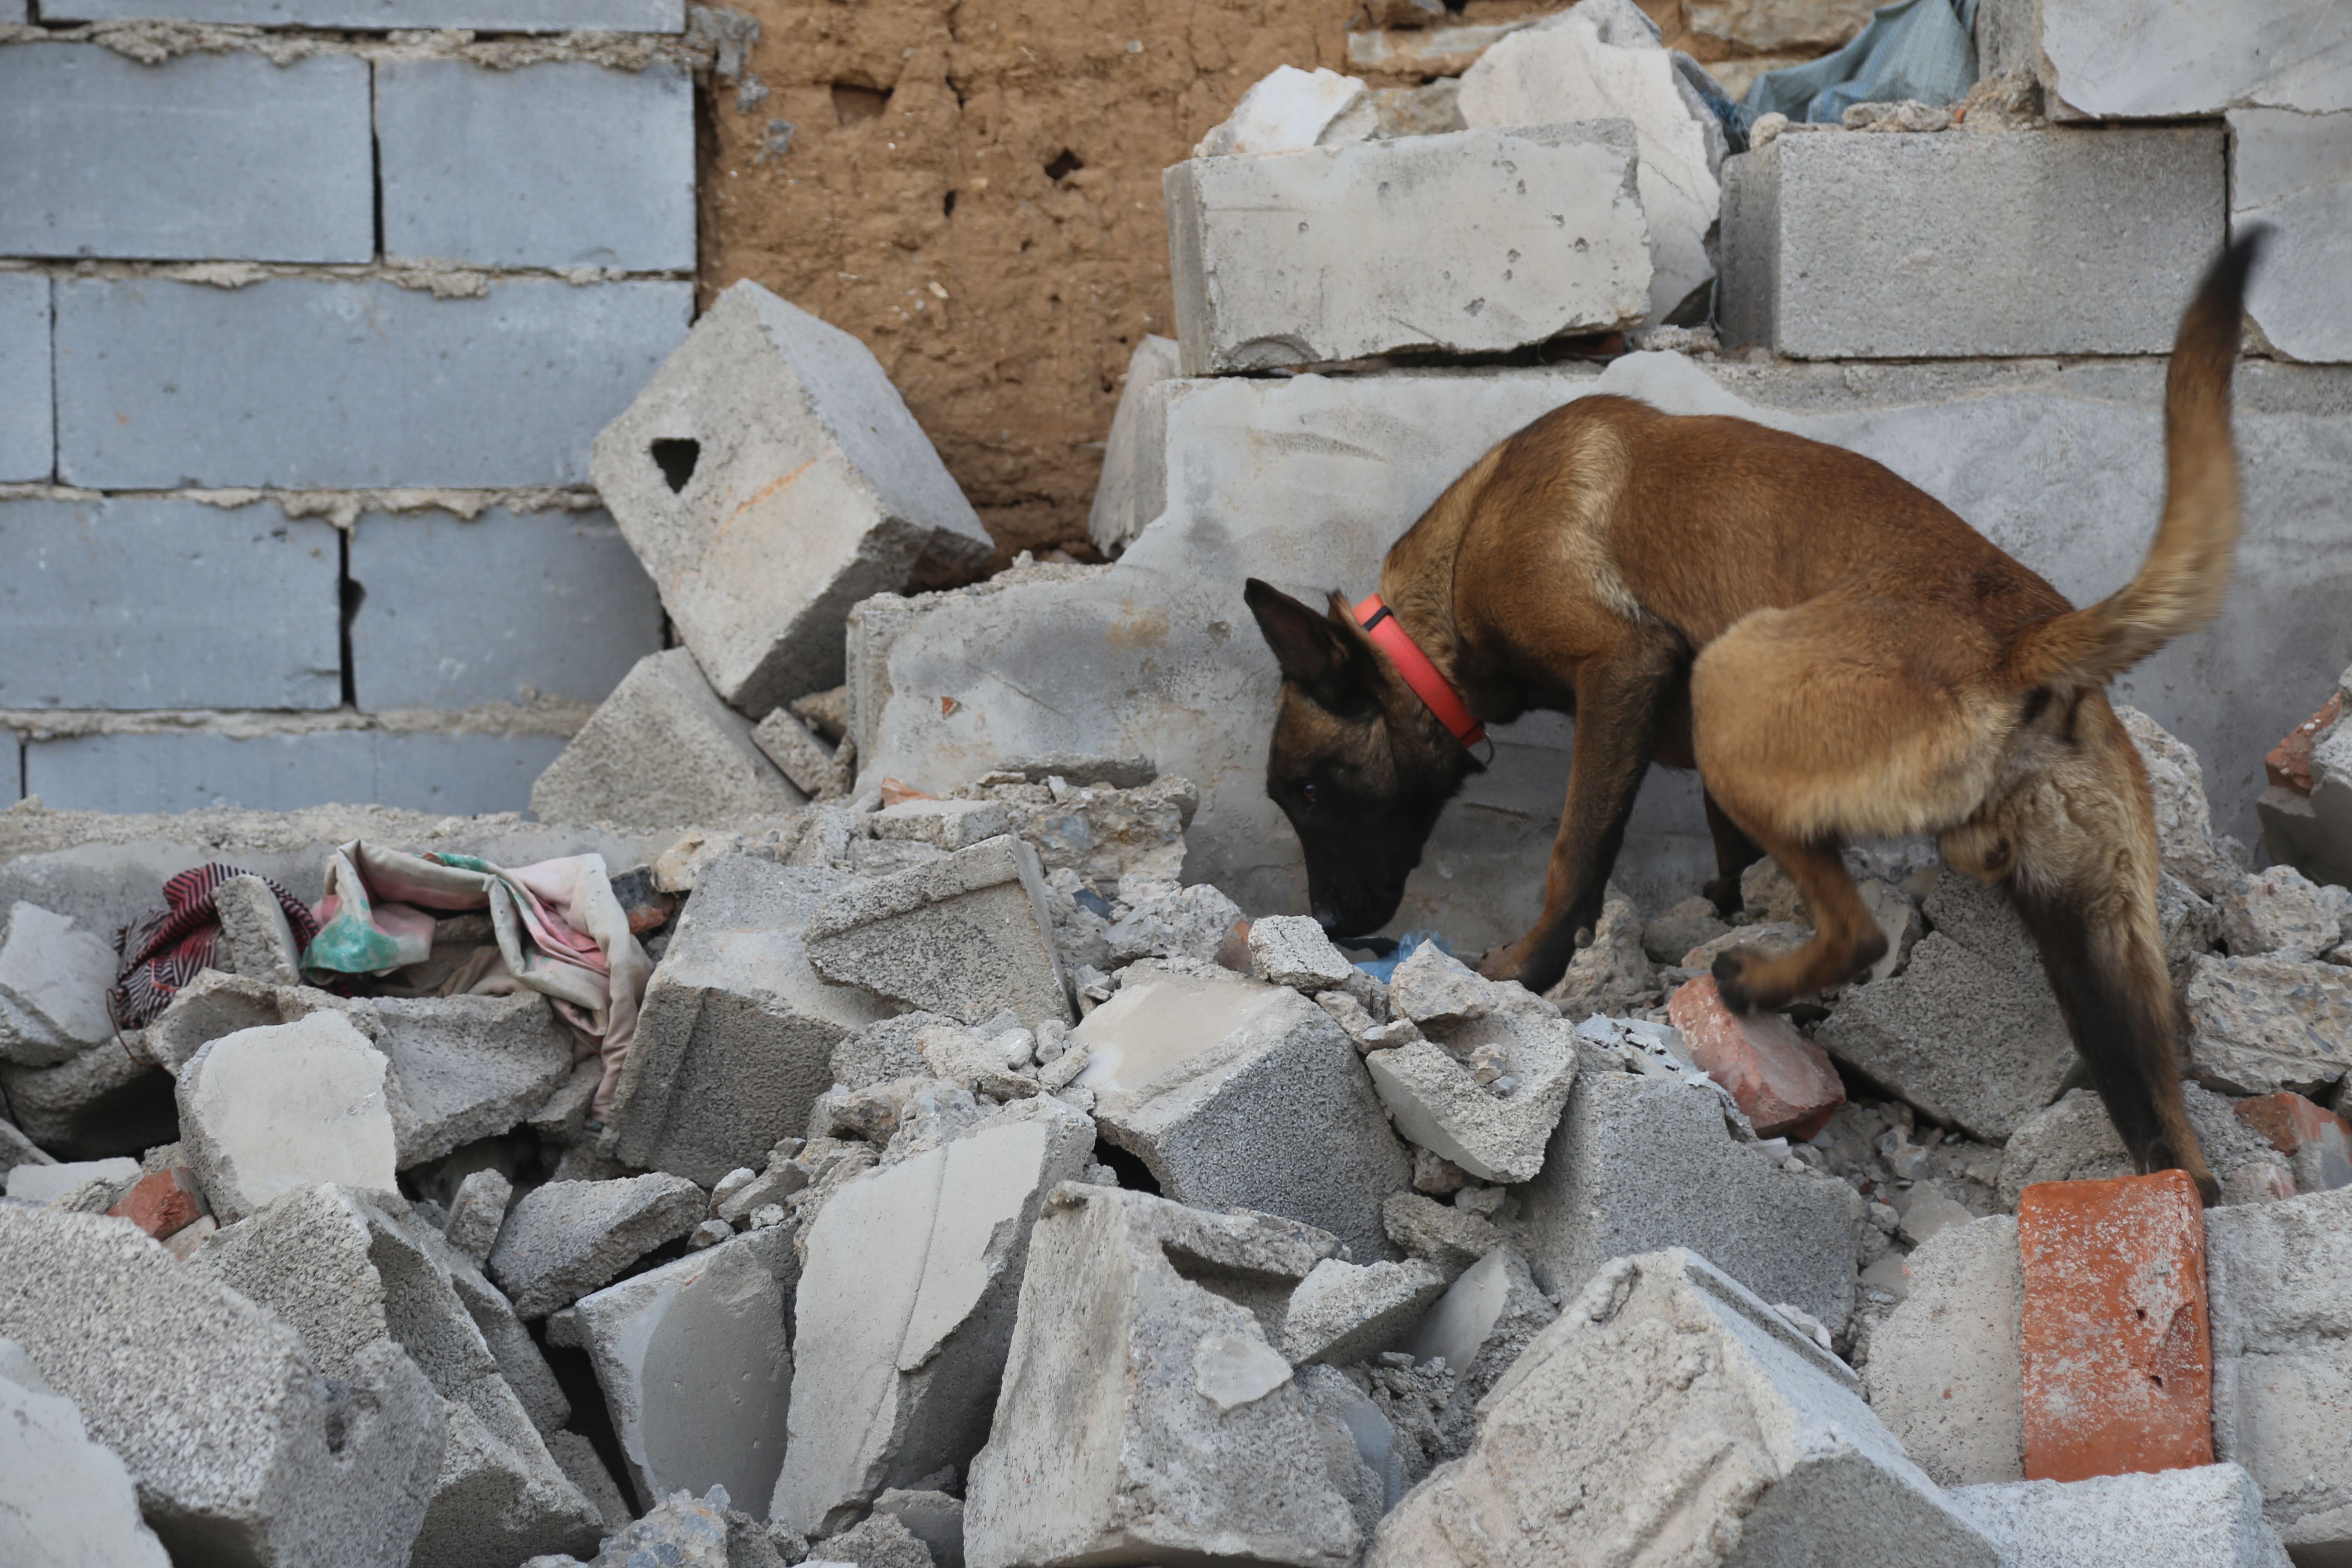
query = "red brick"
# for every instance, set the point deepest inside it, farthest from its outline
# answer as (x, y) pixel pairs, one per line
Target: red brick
(1781, 1079)
(2119, 1361)
(2289, 763)
(164, 1204)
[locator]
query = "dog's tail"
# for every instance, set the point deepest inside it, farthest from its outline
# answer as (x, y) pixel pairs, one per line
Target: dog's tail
(2181, 584)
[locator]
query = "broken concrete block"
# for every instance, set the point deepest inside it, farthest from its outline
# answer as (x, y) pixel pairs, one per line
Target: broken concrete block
(346, 1273)
(567, 1238)
(966, 936)
(2288, 170)
(1480, 1327)
(65, 1502)
(2211, 1516)
(266, 1111)
(1665, 1378)
(256, 939)
(663, 751)
(1451, 1238)
(1782, 1080)
(2276, 913)
(1642, 1161)
(1346, 1312)
(1291, 950)
(1438, 1104)
(1596, 62)
(736, 1032)
(54, 977)
(463, 1068)
(214, 1005)
(1124, 501)
(2261, 1025)
(813, 766)
(1145, 1417)
(1610, 974)
(2075, 1140)
(2318, 1142)
(2184, 820)
(904, 1309)
(2189, 924)
(770, 477)
(1970, 1032)
(696, 1363)
(45, 1183)
(1198, 923)
(2279, 1277)
(1944, 1365)
(475, 1214)
(2103, 59)
(1438, 991)
(942, 824)
(1476, 242)
(1289, 109)
(933, 1518)
(164, 1204)
(1240, 1095)
(2117, 1372)
(240, 1449)
(681, 1532)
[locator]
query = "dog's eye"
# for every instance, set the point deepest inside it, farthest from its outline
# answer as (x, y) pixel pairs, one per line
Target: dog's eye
(1307, 794)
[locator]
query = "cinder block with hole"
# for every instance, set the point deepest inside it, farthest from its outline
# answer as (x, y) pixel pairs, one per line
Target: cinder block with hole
(769, 478)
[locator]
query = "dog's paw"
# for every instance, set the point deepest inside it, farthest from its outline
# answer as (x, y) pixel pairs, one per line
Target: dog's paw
(1731, 979)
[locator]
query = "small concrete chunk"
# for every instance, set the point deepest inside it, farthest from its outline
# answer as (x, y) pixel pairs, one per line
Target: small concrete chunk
(1289, 109)
(933, 1518)
(1124, 502)
(1438, 991)
(1475, 242)
(45, 1183)
(966, 936)
(1293, 951)
(214, 1405)
(737, 1033)
(696, 1363)
(1145, 1417)
(2276, 913)
(54, 976)
(1665, 1378)
(567, 1238)
(475, 1214)
(770, 477)
(904, 1311)
(2261, 1025)
(1943, 1370)
(1346, 1312)
(1437, 1104)
(814, 767)
(65, 1502)
(256, 939)
(2207, 1517)
(1238, 1094)
(942, 824)
(463, 1068)
(268, 1109)
(663, 751)
(1451, 1238)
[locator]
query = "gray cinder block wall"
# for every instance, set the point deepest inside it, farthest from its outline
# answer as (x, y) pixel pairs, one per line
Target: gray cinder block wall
(308, 318)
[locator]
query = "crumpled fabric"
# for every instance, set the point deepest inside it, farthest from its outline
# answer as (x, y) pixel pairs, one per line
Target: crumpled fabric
(166, 948)
(1923, 49)
(560, 932)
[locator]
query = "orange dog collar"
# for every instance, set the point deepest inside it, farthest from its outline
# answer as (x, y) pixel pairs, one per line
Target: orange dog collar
(1379, 623)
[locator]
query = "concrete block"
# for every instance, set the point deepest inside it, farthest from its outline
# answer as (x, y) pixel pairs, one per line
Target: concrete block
(266, 1111)
(942, 824)
(1346, 1312)
(369, 384)
(2293, 172)
(696, 1363)
(486, 16)
(662, 751)
(346, 1273)
(2184, 822)
(1475, 242)
(2111, 59)
(1599, 62)
(567, 1238)
(1642, 1161)
(48, 1182)
(1288, 110)
(214, 1406)
(1970, 1032)
(54, 976)
(770, 477)
(1145, 1415)
(2276, 913)
(201, 156)
(1944, 1366)
(1139, 431)
(28, 416)
(1291, 950)
(1975, 271)
(2261, 1025)
(154, 602)
(736, 1032)
(2276, 1276)
(1437, 1103)
(1194, 922)
(1665, 1378)
(475, 1214)
(905, 1309)
(1783, 1082)
(101, 1103)
(2209, 1516)
(814, 767)
(65, 1502)
(965, 937)
(463, 1068)
(215, 1006)
(562, 164)
(502, 607)
(1240, 1095)
(16, 1150)
(2116, 1369)
(256, 939)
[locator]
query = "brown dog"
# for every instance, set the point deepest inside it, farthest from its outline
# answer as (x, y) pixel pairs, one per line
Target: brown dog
(1838, 654)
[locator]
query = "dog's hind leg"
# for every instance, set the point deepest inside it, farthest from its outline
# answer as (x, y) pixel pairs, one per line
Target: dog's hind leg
(1733, 853)
(1846, 938)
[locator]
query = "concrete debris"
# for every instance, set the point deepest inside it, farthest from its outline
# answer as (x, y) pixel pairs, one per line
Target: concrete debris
(1944, 1365)
(2184, 825)
(1235, 1093)
(1145, 1415)
(681, 1532)
(1438, 991)
(2209, 1516)
(818, 771)
(933, 1518)
(475, 1214)
(463, 1067)
(567, 1238)
(2278, 913)
(1610, 974)
(1291, 950)
(51, 1184)
(256, 939)
(2317, 1143)
(214, 1006)
(1344, 1312)
(2075, 1141)
(663, 751)
(2261, 1025)
(1139, 431)
(268, 1109)
(1689, 924)
(54, 976)
(63, 1499)
(1665, 1378)
(1291, 110)
(1493, 1120)
(1452, 1239)
(16, 1150)
(1478, 1329)
(1164, 921)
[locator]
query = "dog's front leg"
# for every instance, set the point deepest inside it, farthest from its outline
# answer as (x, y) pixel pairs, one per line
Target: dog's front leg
(1617, 700)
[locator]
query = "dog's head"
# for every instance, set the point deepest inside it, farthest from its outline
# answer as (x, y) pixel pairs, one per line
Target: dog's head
(1358, 763)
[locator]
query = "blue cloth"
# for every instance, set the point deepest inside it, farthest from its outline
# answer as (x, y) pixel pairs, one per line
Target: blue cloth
(1923, 49)
(1383, 969)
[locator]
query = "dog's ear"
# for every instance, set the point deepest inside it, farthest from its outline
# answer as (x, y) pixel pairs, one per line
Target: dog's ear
(1314, 651)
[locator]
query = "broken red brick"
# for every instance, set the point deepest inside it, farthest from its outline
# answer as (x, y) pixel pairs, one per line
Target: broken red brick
(896, 791)
(164, 1204)
(2289, 763)
(2118, 1365)
(1233, 952)
(1781, 1079)
(2293, 1124)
